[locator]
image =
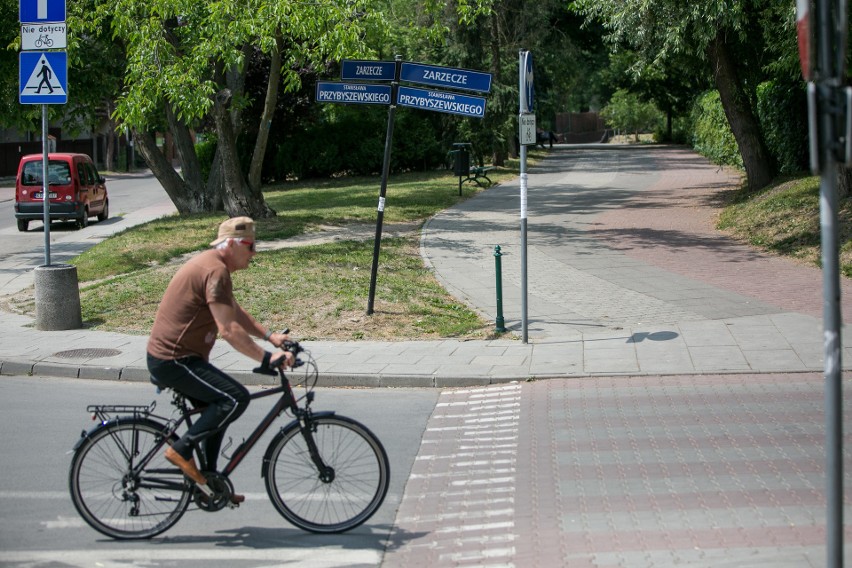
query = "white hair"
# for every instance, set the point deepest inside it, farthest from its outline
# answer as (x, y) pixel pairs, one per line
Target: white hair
(224, 244)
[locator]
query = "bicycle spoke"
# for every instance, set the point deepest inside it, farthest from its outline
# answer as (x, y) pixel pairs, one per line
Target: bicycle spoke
(358, 486)
(118, 501)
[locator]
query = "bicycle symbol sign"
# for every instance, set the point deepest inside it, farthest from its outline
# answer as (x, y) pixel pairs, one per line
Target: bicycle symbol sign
(35, 37)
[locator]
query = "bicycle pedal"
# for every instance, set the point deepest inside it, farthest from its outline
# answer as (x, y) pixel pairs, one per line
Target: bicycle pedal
(233, 505)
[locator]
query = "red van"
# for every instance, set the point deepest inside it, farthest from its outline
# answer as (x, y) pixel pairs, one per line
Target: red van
(77, 190)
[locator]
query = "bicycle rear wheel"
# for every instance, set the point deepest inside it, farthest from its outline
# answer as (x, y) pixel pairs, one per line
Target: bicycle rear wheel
(330, 504)
(122, 485)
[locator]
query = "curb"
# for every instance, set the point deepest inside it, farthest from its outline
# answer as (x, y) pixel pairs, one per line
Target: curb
(248, 378)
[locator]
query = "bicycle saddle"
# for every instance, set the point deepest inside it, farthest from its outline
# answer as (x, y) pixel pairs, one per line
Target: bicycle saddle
(160, 386)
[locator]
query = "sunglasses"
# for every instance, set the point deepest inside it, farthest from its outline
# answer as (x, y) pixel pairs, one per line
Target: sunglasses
(249, 244)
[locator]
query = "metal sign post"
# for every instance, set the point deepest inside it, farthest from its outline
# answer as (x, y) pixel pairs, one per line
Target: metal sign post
(394, 95)
(45, 185)
(822, 52)
(43, 77)
(526, 125)
(377, 243)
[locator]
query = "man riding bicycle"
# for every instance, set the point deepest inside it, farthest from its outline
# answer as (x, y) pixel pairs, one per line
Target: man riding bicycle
(199, 303)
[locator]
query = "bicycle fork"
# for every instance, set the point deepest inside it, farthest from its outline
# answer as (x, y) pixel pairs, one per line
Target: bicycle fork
(307, 427)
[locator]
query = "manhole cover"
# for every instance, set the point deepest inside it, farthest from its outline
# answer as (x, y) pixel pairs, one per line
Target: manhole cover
(87, 353)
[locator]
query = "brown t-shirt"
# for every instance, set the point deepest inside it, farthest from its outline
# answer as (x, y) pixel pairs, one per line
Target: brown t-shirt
(184, 324)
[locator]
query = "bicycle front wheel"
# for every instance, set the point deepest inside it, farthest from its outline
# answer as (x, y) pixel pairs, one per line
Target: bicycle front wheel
(122, 485)
(316, 501)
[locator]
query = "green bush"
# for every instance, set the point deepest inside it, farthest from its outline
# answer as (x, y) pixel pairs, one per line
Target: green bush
(206, 151)
(628, 113)
(711, 135)
(352, 142)
(782, 111)
(680, 131)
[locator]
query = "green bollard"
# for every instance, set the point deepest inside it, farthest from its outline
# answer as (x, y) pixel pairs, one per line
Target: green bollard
(500, 324)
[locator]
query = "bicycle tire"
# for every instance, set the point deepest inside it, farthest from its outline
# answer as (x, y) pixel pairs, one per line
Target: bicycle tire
(112, 501)
(360, 483)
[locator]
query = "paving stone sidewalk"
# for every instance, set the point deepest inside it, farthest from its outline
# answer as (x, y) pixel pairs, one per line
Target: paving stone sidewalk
(711, 471)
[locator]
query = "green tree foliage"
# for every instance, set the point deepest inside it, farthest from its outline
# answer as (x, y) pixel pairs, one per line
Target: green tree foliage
(719, 33)
(94, 70)
(185, 69)
(711, 134)
(782, 108)
(566, 61)
(628, 113)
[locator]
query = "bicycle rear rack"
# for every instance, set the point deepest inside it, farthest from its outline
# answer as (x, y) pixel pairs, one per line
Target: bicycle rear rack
(105, 412)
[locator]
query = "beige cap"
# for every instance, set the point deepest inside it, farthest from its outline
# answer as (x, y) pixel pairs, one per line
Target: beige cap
(235, 228)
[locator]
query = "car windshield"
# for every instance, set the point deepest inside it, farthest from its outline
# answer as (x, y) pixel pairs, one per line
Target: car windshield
(58, 173)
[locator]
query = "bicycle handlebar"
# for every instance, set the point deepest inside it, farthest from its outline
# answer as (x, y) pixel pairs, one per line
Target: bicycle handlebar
(266, 368)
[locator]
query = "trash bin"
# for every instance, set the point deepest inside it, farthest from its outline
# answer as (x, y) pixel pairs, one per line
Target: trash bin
(461, 159)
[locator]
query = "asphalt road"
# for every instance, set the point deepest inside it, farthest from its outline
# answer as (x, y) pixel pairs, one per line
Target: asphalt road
(129, 194)
(41, 418)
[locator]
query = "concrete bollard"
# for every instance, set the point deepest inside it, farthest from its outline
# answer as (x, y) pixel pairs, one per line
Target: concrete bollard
(57, 298)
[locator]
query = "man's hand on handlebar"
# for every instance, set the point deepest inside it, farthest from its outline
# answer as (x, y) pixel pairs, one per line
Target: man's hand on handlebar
(282, 359)
(278, 338)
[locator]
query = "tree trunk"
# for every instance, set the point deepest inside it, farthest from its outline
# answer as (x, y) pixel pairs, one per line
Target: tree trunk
(109, 150)
(215, 184)
(109, 139)
(498, 154)
(238, 198)
(741, 117)
(669, 129)
(234, 78)
(256, 167)
(185, 147)
(187, 200)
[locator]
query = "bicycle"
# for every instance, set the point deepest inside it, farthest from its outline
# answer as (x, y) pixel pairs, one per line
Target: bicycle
(43, 41)
(324, 473)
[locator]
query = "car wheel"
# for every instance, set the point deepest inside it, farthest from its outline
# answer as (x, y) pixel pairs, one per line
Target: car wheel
(23, 224)
(83, 220)
(104, 215)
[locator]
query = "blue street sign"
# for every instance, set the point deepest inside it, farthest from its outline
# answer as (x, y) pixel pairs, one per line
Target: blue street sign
(441, 101)
(527, 87)
(446, 77)
(367, 70)
(39, 11)
(43, 78)
(353, 93)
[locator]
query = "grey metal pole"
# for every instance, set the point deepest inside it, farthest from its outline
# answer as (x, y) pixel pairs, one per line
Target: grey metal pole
(832, 70)
(45, 185)
(832, 365)
(377, 243)
(524, 335)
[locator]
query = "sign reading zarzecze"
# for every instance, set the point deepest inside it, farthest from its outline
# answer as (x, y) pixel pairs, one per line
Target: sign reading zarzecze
(445, 77)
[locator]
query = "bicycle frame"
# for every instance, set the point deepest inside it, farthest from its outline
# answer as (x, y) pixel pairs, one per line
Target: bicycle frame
(287, 401)
(123, 486)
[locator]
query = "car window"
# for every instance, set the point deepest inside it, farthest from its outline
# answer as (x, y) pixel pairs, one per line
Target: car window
(83, 174)
(93, 173)
(58, 173)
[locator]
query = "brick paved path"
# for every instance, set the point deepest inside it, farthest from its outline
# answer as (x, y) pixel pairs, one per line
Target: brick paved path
(617, 238)
(708, 471)
(703, 470)
(671, 225)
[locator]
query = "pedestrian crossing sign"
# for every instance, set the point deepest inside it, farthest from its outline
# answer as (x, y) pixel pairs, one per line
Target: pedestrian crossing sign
(43, 78)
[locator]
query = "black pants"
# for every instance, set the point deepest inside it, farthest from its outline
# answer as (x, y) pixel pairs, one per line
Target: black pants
(205, 385)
